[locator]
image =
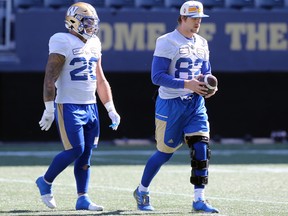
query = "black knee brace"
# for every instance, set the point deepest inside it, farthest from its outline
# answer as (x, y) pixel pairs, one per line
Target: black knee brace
(198, 164)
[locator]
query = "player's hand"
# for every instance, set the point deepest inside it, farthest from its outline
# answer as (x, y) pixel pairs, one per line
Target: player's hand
(212, 93)
(196, 86)
(115, 118)
(46, 120)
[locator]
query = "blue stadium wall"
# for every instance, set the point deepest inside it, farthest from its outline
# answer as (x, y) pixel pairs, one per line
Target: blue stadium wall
(248, 52)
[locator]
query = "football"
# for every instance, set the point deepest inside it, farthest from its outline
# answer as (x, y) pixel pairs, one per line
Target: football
(210, 81)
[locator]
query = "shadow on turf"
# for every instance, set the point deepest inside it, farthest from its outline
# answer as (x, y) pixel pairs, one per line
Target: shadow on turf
(117, 212)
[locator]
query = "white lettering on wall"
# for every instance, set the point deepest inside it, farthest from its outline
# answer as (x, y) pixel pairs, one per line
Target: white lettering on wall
(130, 37)
(141, 36)
(207, 31)
(257, 36)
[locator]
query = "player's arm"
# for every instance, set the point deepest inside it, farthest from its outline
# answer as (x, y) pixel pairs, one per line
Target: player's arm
(52, 72)
(105, 94)
(206, 68)
(164, 52)
(159, 76)
(103, 87)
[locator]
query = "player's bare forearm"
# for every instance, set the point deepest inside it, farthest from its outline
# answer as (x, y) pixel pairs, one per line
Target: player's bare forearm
(103, 86)
(52, 72)
(104, 91)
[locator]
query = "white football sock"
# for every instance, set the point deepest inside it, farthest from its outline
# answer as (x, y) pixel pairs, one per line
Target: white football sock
(49, 183)
(80, 195)
(199, 194)
(142, 188)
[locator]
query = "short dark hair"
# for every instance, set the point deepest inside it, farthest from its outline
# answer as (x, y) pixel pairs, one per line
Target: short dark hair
(180, 19)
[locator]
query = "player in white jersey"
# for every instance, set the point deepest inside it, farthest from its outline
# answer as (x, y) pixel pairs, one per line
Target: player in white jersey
(74, 69)
(179, 59)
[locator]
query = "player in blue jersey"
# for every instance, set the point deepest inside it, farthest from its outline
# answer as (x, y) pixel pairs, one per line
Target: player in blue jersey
(179, 59)
(74, 68)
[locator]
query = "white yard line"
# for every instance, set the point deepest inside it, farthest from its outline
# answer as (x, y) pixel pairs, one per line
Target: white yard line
(145, 152)
(97, 155)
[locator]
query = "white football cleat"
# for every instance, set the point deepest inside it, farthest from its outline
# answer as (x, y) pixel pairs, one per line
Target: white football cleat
(84, 203)
(49, 201)
(94, 207)
(46, 192)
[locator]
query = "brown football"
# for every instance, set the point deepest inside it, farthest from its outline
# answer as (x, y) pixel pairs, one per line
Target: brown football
(210, 81)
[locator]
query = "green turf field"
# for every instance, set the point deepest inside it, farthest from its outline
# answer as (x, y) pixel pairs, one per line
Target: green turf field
(243, 180)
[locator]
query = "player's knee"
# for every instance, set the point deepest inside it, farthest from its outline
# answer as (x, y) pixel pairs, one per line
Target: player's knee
(79, 150)
(199, 147)
(191, 140)
(200, 155)
(76, 152)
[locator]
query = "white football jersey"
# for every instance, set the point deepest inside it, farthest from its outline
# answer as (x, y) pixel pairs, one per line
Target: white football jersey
(187, 56)
(77, 81)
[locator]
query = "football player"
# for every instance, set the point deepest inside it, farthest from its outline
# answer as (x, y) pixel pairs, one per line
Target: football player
(74, 68)
(179, 59)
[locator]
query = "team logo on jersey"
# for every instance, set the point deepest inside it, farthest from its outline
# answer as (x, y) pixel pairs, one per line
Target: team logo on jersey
(71, 11)
(77, 51)
(184, 50)
(200, 53)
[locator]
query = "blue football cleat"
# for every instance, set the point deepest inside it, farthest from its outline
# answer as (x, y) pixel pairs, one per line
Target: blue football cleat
(142, 200)
(84, 203)
(203, 206)
(46, 192)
